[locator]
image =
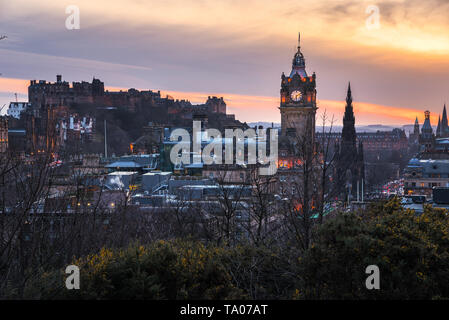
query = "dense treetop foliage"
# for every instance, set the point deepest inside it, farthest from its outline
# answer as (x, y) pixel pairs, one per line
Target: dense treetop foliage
(410, 250)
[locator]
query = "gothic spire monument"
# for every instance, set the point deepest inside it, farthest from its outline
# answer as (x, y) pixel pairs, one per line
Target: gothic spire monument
(350, 167)
(348, 135)
(298, 100)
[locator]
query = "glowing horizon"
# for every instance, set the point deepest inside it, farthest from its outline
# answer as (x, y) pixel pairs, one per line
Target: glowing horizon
(243, 106)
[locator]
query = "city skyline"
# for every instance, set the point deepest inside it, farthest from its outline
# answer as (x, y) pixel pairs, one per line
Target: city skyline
(206, 151)
(238, 51)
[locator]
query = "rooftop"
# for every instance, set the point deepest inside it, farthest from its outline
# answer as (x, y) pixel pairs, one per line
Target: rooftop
(122, 173)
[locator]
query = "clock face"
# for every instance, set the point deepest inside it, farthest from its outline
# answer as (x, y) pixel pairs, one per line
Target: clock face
(296, 95)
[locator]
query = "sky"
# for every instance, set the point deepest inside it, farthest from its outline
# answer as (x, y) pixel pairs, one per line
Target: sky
(192, 49)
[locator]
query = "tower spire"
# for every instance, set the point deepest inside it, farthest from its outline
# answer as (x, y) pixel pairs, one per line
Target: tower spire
(298, 63)
(350, 167)
(348, 133)
(416, 128)
(444, 130)
(439, 126)
(349, 96)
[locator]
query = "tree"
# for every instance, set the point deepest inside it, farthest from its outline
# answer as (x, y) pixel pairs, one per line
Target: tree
(411, 252)
(326, 164)
(300, 184)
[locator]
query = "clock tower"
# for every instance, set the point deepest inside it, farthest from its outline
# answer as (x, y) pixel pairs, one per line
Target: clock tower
(298, 100)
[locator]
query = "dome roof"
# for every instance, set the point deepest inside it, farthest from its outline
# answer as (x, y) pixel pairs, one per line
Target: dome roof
(299, 63)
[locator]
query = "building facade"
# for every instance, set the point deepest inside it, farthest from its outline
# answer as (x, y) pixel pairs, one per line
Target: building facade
(422, 174)
(16, 108)
(3, 134)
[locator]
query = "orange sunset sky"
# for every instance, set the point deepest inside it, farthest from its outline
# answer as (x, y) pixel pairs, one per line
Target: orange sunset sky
(192, 49)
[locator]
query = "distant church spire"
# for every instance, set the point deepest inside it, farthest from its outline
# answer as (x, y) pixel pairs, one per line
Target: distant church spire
(444, 130)
(439, 127)
(444, 121)
(416, 127)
